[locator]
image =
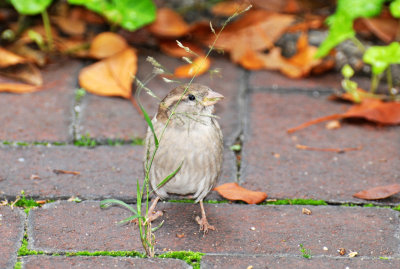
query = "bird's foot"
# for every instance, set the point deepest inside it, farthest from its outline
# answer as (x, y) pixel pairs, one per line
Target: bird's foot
(150, 218)
(204, 225)
(153, 215)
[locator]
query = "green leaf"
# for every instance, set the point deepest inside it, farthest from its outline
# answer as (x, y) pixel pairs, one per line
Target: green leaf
(360, 8)
(165, 180)
(148, 120)
(109, 202)
(30, 7)
(138, 196)
(380, 57)
(130, 14)
(341, 29)
(158, 227)
(136, 216)
(341, 23)
(395, 8)
(347, 71)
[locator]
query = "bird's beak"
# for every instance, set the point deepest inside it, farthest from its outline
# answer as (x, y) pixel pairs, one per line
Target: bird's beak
(211, 98)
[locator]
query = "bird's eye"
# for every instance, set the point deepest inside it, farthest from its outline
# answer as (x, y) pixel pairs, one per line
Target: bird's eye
(192, 97)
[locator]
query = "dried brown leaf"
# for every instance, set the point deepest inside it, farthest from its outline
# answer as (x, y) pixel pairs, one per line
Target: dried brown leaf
(69, 25)
(8, 58)
(107, 44)
(168, 24)
(377, 193)
(112, 76)
(198, 66)
(232, 191)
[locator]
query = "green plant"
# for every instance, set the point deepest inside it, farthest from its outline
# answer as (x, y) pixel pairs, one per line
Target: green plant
(85, 141)
(341, 28)
(143, 193)
(34, 7)
(306, 253)
(22, 201)
(130, 14)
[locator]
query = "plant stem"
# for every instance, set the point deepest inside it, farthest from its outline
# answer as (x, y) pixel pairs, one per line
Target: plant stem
(358, 43)
(389, 79)
(374, 83)
(47, 28)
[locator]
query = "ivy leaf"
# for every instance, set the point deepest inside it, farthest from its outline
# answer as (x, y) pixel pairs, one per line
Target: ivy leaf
(380, 57)
(340, 29)
(341, 23)
(31, 7)
(360, 8)
(129, 14)
(395, 8)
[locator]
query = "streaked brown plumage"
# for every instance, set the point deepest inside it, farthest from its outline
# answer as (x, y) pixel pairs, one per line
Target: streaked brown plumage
(192, 137)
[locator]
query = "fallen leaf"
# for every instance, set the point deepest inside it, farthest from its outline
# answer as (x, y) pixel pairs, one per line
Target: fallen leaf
(41, 202)
(384, 28)
(232, 191)
(112, 76)
(8, 58)
(74, 47)
(31, 55)
(180, 235)
(341, 251)
(80, 13)
(337, 150)
(197, 67)
(24, 72)
(228, 8)
(107, 44)
(370, 109)
(380, 192)
(17, 88)
(306, 211)
(376, 111)
(251, 60)
(168, 24)
(171, 48)
(69, 25)
(58, 171)
(256, 30)
(26, 39)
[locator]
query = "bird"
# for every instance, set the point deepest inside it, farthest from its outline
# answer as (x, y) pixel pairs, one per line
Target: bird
(190, 141)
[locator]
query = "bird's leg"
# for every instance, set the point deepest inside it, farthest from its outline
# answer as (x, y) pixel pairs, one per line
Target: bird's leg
(204, 225)
(153, 215)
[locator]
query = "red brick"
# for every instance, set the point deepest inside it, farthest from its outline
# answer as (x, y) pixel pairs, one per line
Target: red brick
(275, 80)
(45, 115)
(275, 262)
(277, 229)
(11, 233)
(104, 171)
(47, 262)
(314, 174)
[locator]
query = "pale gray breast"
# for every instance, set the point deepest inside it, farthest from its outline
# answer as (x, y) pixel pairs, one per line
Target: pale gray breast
(200, 149)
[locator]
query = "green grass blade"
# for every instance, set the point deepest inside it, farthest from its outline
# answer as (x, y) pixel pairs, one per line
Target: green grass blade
(148, 120)
(139, 196)
(136, 216)
(158, 227)
(165, 180)
(109, 202)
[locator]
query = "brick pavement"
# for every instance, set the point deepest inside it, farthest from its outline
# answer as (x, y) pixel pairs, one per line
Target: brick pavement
(257, 110)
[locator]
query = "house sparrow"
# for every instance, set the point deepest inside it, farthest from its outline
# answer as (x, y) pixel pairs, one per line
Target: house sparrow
(192, 139)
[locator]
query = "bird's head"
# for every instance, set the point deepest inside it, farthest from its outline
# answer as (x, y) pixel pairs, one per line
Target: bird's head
(193, 100)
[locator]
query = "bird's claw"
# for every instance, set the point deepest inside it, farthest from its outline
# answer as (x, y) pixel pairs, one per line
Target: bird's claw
(204, 225)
